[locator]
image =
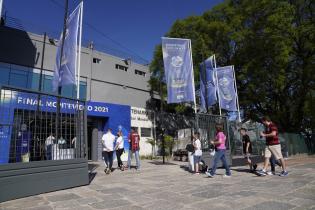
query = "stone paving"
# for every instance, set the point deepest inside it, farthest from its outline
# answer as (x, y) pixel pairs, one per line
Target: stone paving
(170, 186)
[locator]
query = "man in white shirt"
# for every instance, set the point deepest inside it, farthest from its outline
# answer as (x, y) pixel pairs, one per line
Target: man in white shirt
(108, 147)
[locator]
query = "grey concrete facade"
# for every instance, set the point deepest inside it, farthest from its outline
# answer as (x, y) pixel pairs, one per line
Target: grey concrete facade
(105, 83)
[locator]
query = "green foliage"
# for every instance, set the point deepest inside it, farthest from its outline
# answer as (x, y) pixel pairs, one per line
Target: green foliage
(271, 43)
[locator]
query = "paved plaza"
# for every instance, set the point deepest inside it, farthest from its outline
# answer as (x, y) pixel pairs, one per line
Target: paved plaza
(170, 186)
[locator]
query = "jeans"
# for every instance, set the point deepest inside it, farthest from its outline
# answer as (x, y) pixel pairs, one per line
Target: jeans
(49, 152)
(118, 154)
(137, 158)
(220, 155)
(108, 159)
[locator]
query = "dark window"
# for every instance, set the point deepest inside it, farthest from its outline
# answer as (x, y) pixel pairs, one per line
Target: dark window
(96, 60)
(47, 83)
(145, 132)
(82, 90)
(33, 80)
(18, 78)
(120, 67)
(135, 128)
(138, 72)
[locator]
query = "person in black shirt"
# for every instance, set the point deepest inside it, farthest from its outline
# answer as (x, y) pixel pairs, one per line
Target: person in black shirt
(247, 149)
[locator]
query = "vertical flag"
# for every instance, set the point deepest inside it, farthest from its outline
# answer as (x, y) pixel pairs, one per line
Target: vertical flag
(226, 88)
(1, 3)
(65, 73)
(178, 70)
(207, 83)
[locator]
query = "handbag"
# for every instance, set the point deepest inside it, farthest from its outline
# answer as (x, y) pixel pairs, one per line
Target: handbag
(212, 150)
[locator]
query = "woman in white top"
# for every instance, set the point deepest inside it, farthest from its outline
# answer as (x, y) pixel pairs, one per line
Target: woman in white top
(198, 151)
(119, 149)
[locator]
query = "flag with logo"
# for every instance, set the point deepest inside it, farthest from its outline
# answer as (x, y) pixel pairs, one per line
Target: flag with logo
(207, 83)
(64, 71)
(178, 67)
(226, 88)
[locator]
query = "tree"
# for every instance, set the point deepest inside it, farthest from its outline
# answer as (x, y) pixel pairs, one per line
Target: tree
(271, 43)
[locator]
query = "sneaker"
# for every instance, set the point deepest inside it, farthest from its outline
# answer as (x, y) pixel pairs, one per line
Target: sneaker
(261, 173)
(271, 173)
(209, 174)
(105, 170)
(108, 171)
(284, 173)
(226, 176)
(197, 173)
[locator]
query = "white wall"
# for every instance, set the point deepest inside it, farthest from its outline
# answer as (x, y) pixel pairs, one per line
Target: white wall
(140, 119)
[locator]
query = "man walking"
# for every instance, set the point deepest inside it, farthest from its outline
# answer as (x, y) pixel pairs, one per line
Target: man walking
(108, 147)
(134, 147)
(247, 149)
(273, 146)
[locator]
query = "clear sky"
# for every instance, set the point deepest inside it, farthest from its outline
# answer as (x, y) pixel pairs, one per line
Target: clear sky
(131, 26)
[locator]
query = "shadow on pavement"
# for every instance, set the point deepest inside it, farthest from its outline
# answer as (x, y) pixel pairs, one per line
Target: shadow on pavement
(240, 161)
(161, 163)
(92, 176)
(92, 167)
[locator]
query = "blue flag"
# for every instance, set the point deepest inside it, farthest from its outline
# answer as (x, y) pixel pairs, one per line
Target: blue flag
(207, 83)
(226, 88)
(65, 73)
(178, 70)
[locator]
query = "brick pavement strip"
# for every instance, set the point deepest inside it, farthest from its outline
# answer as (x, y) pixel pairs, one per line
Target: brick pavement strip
(164, 187)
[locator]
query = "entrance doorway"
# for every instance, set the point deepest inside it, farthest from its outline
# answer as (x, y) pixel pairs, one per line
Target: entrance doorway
(95, 126)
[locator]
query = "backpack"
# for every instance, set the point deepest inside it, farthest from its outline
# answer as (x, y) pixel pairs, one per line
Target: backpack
(190, 148)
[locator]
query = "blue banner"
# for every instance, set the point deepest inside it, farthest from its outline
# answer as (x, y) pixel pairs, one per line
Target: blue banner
(64, 74)
(208, 95)
(226, 88)
(178, 70)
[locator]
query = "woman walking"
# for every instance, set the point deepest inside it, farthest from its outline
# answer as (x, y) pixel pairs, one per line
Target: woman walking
(119, 149)
(220, 148)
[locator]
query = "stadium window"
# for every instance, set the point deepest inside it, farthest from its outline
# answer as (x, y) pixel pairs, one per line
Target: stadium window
(145, 132)
(138, 72)
(120, 67)
(96, 60)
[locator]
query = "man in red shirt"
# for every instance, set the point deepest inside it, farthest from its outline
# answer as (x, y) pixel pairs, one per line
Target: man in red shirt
(273, 146)
(134, 147)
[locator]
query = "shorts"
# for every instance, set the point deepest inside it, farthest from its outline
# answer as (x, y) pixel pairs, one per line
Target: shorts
(273, 149)
(197, 159)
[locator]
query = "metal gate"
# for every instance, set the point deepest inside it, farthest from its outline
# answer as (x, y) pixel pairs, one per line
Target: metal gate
(181, 128)
(42, 136)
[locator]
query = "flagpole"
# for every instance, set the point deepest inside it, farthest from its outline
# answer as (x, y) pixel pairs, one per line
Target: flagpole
(216, 75)
(237, 102)
(205, 82)
(61, 56)
(1, 3)
(192, 76)
(79, 53)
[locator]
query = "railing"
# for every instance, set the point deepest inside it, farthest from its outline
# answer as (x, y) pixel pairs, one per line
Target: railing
(33, 127)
